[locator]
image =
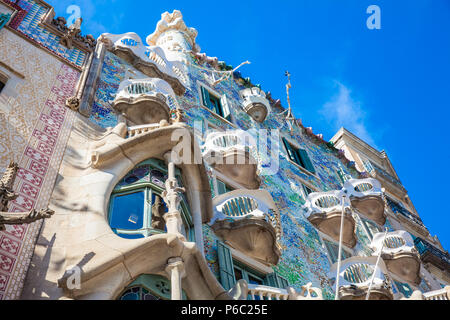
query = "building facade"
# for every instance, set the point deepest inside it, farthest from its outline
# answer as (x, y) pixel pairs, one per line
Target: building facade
(174, 177)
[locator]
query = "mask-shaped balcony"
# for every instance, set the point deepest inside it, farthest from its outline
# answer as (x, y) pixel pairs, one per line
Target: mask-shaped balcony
(366, 196)
(355, 276)
(399, 255)
(144, 101)
(229, 153)
(255, 103)
(249, 221)
(324, 211)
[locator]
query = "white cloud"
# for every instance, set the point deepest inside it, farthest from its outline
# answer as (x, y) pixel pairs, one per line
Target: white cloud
(343, 111)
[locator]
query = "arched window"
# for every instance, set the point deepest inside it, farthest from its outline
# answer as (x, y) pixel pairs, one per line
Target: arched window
(136, 206)
(148, 287)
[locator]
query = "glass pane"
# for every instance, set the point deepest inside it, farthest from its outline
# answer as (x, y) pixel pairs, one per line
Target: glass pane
(128, 211)
(254, 280)
(131, 294)
(130, 236)
(139, 174)
(238, 274)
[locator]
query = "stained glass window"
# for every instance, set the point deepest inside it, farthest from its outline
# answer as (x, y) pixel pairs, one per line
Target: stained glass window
(138, 293)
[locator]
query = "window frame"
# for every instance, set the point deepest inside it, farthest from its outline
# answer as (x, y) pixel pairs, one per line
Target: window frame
(365, 222)
(297, 156)
(246, 271)
(334, 256)
(3, 81)
(224, 113)
(150, 188)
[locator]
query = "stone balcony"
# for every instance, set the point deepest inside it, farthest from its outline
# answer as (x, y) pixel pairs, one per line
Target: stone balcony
(249, 221)
(366, 196)
(230, 154)
(324, 211)
(432, 255)
(144, 101)
(399, 255)
(255, 103)
(355, 277)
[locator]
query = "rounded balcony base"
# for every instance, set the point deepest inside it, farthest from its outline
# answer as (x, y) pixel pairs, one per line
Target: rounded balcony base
(330, 224)
(405, 265)
(240, 166)
(372, 207)
(257, 111)
(354, 293)
(253, 237)
(144, 109)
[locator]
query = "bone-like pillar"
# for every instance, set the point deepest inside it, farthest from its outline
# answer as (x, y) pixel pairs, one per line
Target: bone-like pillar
(176, 272)
(172, 197)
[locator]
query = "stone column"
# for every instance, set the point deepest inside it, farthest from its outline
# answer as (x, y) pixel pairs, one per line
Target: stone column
(176, 272)
(172, 197)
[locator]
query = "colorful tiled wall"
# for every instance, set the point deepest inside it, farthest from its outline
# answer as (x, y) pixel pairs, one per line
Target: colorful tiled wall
(304, 257)
(30, 27)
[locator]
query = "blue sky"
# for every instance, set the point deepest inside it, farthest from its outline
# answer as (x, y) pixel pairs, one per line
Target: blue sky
(390, 86)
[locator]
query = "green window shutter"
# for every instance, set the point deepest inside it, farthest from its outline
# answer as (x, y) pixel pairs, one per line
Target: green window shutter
(307, 190)
(332, 251)
(290, 151)
(225, 107)
(221, 187)
(341, 175)
(226, 269)
(306, 161)
(205, 97)
(276, 281)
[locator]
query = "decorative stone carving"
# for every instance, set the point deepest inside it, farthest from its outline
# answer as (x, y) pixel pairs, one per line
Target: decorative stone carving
(173, 21)
(399, 254)
(73, 103)
(150, 60)
(230, 153)
(255, 103)
(158, 221)
(72, 34)
(7, 194)
(144, 101)
(250, 222)
(308, 292)
(358, 274)
(324, 211)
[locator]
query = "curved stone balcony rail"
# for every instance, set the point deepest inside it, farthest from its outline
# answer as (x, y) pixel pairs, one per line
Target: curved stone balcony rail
(245, 291)
(250, 222)
(442, 294)
(230, 153)
(255, 103)
(144, 101)
(367, 197)
(355, 276)
(399, 255)
(260, 292)
(324, 211)
(150, 60)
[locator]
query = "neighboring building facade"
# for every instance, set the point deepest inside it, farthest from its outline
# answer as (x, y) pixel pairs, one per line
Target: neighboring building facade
(173, 177)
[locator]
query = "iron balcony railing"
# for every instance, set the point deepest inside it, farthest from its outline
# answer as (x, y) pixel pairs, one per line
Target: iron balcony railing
(398, 209)
(371, 167)
(431, 253)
